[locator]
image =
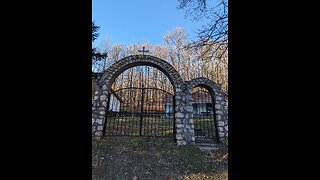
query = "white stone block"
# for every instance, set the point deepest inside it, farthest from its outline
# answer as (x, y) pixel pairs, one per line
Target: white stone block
(220, 123)
(103, 97)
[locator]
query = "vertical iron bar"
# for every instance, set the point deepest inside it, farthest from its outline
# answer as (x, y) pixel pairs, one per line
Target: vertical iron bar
(167, 115)
(121, 116)
(162, 113)
(152, 112)
(145, 104)
(217, 138)
(174, 118)
(204, 115)
(208, 114)
(141, 113)
(125, 115)
(156, 118)
(132, 111)
(136, 110)
(197, 113)
(147, 120)
(131, 105)
(148, 112)
(201, 114)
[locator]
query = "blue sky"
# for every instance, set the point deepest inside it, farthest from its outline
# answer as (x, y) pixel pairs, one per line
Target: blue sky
(129, 21)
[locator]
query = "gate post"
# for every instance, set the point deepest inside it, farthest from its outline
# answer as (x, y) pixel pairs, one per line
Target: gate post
(99, 110)
(141, 110)
(184, 124)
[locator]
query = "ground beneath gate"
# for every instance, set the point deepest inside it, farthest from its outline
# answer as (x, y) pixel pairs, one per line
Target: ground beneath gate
(136, 158)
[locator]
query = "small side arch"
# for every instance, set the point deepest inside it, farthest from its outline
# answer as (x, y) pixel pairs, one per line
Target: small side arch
(220, 101)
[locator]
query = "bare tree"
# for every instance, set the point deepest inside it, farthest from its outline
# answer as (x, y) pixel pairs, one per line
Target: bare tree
(190, 63)
(175, 41)
(215, 33)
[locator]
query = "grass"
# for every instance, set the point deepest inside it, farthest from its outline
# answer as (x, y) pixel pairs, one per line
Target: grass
(155, 158)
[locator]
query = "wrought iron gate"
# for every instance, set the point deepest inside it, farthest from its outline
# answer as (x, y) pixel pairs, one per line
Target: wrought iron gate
(203, 115)
(140, 112)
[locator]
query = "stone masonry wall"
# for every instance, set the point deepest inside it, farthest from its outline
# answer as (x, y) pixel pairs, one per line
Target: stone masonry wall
(183, 98)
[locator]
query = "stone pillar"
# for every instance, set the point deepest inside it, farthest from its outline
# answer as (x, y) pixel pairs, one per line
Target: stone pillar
(98, 110)
(221, 109)
(184, 123)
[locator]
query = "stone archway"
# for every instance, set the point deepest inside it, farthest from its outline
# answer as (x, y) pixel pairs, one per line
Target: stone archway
(184, 130)
(220, 105)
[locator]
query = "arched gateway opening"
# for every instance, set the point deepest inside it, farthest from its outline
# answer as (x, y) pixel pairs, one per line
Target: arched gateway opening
(141, 103)
(166, 110)
(204, 119)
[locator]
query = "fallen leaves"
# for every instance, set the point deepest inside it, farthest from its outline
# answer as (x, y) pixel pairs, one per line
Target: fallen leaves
(151, 158)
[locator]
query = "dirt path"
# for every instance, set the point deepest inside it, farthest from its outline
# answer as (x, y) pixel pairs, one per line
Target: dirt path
(135, 158)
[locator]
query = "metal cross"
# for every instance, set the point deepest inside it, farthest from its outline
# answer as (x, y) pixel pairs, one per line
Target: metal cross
(143, 50)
